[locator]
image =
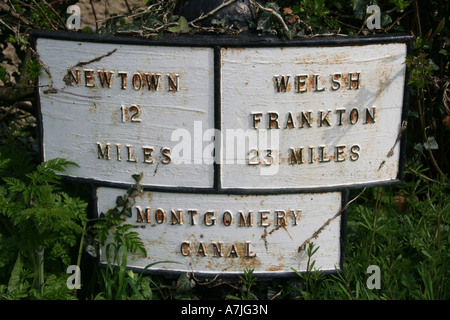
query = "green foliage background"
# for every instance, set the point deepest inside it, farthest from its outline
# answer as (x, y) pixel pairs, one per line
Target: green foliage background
(45, 224)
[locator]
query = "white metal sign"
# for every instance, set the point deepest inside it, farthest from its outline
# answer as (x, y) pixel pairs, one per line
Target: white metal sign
(114, 109)
(232, 118)
(224, 233)
(231, 137)
(312, 117)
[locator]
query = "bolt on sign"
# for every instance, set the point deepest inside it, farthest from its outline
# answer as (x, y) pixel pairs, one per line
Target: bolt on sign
(227, 130)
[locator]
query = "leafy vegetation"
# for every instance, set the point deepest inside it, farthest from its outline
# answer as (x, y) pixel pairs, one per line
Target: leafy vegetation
(37, 220)
(45, 224)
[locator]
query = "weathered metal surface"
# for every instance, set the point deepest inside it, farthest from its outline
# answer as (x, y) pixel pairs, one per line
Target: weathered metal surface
(113, 109)
(312, 117)
(227, 133)
(298, 117)
(224, 234)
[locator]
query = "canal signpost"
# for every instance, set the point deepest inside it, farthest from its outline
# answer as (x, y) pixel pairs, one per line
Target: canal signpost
(247, 146)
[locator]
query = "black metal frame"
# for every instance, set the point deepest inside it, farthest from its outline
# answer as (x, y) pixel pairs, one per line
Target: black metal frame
(223, 41)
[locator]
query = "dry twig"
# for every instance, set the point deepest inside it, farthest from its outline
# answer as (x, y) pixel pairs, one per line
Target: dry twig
(315, 234)
(204, 16)
(276, 14)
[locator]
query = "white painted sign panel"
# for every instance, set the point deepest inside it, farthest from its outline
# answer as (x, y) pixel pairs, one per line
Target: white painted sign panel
(312, 117)
(226, 117)
(225, 233)
(113, 109)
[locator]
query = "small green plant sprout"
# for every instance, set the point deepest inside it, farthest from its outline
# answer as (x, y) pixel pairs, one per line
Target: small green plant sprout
(248, 279)
(312, 276)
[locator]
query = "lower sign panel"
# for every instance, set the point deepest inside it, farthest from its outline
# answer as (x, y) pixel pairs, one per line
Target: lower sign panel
(211, 234)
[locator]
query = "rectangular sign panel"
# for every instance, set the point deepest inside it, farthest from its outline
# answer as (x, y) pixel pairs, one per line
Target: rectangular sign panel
(217, 115)
(114, 109)
(225, 234)
(312, 117)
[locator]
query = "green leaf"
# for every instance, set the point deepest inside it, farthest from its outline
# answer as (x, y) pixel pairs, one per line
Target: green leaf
(114, 213)
(131, 202)
(120, 202)
(87, 30)
(264, 22)
(15, 185)
(184, 283)
(134, 243)
(418, 147)
(132, 284)
(440, 26)
(45, 171)
(359, 8)
(443, 52)
(290, 34)
(273, 5)
(219, 23)
(14, 279)
(33, 68)
(127, 212)
(385, 20)
(4, 76)
(56, 164)
(182, 27)
(137, 177)
(145, 289)
(431, 144)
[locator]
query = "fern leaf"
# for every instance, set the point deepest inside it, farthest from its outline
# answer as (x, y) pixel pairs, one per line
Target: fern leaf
(57, 164)
(134, 243)
(46, 171)
(4, 164)
(15, 185)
